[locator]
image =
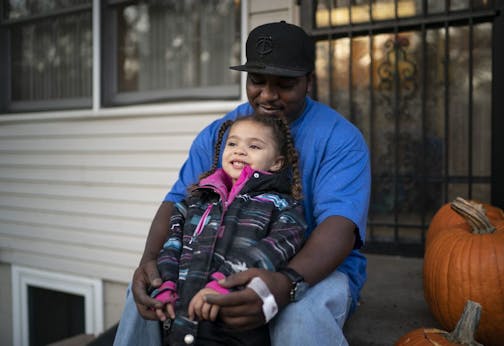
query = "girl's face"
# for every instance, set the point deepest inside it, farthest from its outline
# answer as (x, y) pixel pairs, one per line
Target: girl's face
(250, 143)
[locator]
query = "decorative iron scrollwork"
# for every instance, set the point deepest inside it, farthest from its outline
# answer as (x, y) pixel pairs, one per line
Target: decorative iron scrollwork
(398, 78)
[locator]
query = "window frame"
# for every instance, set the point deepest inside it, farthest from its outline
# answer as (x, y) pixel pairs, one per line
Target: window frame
(23, 277)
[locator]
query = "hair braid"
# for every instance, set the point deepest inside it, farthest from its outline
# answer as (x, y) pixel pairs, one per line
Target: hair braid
(215, 162)
(292, 158)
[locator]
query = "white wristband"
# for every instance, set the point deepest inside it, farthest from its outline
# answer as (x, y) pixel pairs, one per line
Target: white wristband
(269, 307)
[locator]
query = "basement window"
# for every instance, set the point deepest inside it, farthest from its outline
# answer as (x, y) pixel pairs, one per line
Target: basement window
(49, 306)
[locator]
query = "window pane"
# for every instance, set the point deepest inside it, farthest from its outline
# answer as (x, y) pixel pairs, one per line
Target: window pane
(52, 58)
(457, 5)
(361, 84)
(434, 89)
(482, 91)
(458, 121)
(388, 9)
(436, 6)
(16, 9)
(179, 44)
(323, 72)
(332, 13)
(340, 75)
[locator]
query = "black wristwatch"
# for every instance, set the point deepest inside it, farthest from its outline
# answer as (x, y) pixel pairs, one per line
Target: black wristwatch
(299, 286)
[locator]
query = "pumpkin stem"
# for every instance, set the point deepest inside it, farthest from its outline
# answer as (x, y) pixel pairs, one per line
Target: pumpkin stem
(466, 327)
(474, 214)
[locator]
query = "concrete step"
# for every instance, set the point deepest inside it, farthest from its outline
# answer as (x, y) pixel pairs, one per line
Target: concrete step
(392, 302)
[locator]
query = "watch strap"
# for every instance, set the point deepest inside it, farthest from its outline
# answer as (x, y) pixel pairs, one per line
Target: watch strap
(293, 275)
(295, 279)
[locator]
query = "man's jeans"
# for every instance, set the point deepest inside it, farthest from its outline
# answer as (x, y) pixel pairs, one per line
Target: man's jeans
(134, 329)
(317, 319)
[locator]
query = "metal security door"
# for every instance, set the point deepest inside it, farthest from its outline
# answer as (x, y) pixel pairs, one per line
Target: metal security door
(417, 78)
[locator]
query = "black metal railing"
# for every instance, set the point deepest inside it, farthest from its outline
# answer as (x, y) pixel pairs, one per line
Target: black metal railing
(420, 84)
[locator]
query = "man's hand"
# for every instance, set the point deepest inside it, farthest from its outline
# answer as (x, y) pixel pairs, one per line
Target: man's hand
(146, 276)
(242, 309)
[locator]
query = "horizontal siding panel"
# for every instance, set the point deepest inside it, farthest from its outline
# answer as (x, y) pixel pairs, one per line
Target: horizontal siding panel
(95, 224)
(69, 251)
(123, 160)
(89, 175)
(70, 238)
(259, 6)
(79, 196)
(74, 191)
(273, 16)
(85, 144)
(116, 273)
(79, 206)
(143, 125)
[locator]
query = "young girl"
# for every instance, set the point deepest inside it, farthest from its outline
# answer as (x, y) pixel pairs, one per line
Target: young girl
(245, 214)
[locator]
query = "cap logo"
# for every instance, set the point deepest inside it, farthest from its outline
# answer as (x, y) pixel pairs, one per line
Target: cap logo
(264, 45)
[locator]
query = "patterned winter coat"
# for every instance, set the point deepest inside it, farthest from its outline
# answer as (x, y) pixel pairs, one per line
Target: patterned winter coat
(221, 228)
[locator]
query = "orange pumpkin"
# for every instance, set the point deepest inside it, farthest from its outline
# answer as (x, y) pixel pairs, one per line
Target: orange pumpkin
(466, 262)
(446, 217)
(462, 334)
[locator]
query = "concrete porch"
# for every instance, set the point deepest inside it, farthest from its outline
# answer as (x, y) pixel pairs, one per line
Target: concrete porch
(392, 302)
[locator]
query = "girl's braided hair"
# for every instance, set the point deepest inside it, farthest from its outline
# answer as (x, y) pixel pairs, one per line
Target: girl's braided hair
(284, 143)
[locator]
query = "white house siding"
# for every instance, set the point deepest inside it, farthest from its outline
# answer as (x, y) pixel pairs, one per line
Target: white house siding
(77, 195)
(264, 11)
(78, 189)
(5, 305)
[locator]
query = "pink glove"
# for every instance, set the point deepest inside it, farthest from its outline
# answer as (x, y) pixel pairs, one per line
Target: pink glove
(166, 293)
(214, 284)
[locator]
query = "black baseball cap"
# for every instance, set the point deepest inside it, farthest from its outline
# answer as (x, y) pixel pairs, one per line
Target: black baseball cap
(279, 49)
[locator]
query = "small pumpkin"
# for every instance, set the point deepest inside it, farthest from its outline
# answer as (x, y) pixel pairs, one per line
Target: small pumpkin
(446, 217)
(466, 262)
(463, 334)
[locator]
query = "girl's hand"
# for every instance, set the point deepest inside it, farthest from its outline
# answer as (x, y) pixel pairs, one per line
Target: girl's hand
(200, 308)
(242, 309)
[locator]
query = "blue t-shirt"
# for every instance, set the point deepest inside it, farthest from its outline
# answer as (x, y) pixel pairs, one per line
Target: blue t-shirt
(335, 172)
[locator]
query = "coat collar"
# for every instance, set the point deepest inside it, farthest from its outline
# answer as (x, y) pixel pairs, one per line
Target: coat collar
(250, 180)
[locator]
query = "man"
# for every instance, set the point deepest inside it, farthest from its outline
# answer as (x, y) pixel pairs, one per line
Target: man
(335, 170)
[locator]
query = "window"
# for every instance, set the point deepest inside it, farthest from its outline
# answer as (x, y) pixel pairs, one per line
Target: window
(151, 51)
(46, 54)
(171, 49)
(54, 315)
(78, 299)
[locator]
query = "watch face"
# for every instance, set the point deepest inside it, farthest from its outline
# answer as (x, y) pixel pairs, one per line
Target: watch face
(300, 290)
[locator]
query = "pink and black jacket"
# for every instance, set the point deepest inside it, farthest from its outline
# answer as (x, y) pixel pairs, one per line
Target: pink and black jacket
(223, 228)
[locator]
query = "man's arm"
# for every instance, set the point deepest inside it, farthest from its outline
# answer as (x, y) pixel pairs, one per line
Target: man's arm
(326, 248)
(146, 275)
